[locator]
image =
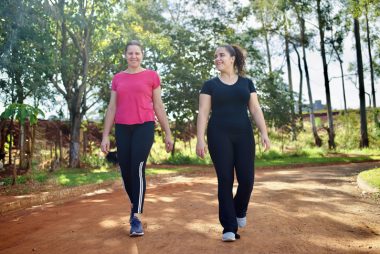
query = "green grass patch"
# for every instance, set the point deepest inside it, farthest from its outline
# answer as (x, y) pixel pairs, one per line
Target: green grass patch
(159, 171)
(184, 159)
(285, 161)
(372, 177)
(76, 177)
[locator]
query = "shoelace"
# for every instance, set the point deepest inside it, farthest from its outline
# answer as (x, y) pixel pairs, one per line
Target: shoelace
(135, 222)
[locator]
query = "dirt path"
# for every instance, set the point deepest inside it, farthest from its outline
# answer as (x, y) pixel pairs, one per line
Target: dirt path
(301, 210)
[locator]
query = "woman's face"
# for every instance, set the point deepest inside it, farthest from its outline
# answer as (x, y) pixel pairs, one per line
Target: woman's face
(134, 56)
(223, 60)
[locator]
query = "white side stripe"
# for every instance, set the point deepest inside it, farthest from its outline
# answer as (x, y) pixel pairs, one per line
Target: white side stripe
(141, 187)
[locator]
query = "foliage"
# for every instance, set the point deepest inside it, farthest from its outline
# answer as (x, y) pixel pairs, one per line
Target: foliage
(94, 161)
(180, 159)
(22, 113)
(274, 98)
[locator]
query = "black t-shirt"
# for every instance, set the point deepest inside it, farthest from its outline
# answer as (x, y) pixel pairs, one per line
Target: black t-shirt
(229, 103)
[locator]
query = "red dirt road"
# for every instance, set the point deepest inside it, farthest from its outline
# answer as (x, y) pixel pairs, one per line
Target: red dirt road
(301, 210)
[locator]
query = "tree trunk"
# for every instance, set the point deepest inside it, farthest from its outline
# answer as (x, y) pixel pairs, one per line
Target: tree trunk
(342, 76)
(60, 148)
(3, 138)
(317, 139)
(370, 59)
(300, 86)
(363, 116)
(22, 161)
(264, 27)
(32, 144)
(375, 112)
(85, 141)
(74, 158)
(290, 81)
(321, 28)
(10, 130)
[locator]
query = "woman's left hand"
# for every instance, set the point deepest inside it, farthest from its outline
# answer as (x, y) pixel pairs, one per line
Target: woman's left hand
(168, 143)
(266, 142)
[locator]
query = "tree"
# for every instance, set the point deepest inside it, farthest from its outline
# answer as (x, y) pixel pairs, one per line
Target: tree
(24, 52)
(80, 27)
(336, 41)
(368, 33)
(300, 8)
(22, 113)
(364, 142)
(323, 21)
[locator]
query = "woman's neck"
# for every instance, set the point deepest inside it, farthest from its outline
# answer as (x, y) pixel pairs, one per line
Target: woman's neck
(228, 75)
(134, 70)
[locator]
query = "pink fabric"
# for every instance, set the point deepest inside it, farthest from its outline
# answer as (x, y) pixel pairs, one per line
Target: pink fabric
(134, 100)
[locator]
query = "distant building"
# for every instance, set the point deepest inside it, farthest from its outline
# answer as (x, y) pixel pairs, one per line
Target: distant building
(317, 105)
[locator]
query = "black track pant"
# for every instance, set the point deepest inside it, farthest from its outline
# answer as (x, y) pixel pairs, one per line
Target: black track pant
(133, 146)
(231, 151)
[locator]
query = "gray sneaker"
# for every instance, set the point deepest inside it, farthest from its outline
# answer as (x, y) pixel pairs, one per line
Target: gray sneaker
(228, 237)
(241, 222)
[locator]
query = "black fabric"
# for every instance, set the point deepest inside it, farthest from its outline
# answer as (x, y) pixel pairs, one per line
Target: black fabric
(232, 146)
(229, 103)
(133, 146)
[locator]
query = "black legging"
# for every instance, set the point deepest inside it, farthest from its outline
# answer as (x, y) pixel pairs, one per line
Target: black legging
(231, 150)
(133, 146)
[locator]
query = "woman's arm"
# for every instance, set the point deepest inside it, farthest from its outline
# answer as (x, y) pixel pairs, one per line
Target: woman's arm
(159, 109)
(108, 122)
(203, 114)
(258, 117)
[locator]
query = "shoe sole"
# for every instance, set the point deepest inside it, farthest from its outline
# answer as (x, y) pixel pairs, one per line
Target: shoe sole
(229, 240)
(136, 234)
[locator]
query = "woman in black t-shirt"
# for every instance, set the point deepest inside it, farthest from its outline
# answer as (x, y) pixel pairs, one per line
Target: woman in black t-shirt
(230, 136)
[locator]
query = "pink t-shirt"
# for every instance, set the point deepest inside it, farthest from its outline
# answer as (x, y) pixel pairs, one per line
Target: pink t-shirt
(134, 100)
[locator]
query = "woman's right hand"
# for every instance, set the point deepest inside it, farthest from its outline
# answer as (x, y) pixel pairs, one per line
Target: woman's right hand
(105, 146)
(201, 148)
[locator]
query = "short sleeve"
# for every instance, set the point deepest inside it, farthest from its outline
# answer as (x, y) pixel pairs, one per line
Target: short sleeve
(156, 80)
(206, 88)
(114, 84)
(251, 87)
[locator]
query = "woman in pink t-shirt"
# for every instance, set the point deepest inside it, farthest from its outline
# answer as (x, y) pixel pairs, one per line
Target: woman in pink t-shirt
(135, 101)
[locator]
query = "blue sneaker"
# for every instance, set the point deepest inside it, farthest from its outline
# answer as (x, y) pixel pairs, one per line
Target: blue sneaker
(136, 227)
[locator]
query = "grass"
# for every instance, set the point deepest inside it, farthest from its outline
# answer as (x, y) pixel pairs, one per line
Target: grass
(286, 161)
(372, 177)
(66, 177)
(76, 177)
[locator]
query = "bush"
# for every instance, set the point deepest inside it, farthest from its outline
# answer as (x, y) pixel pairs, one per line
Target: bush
(180, 158)
(94, 161)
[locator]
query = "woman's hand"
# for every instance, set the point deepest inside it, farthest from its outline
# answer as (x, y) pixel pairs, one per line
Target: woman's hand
(201, 148)
(168, 143)
(105, 146)
(265, 142)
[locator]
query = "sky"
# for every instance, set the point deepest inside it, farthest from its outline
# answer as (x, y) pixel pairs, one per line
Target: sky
(336, 90)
